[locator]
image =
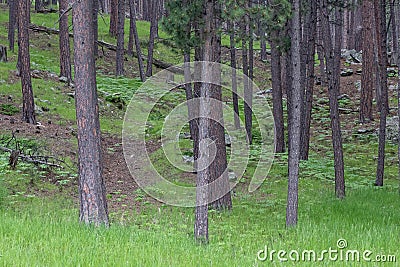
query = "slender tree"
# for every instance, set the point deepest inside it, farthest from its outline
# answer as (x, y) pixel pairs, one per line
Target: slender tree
(120, 39)
(153, 35)
(332, 57)
(310, 30)
(28, 106)
(231, 30)
(134, 36)
(92, 193)
(96, 26)
(65, 53)
(383, 105)
(294, 119)
(368, 63)
(12, 22)
(114, 18)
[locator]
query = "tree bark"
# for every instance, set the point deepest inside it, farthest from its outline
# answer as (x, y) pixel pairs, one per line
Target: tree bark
(92, 193)
(95, 26)
(133, 33)
(368, 63)
(277, 106)
(28, 107)
(384, 106)
(114, 18)
(231, 30)
(120, 39)
(294, 119)
(153, 34)
(332, 57)
(3, 53)
(12, 21)
(65, 53)
(309, 46)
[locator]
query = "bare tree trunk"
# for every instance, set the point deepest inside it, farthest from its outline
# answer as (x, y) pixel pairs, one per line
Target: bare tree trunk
(133, 32)
(12, 21)
(246, 82)
(332, 56)
(114, 18)
(277, 106)
(120, 39)
(92, 193)
(95, 26)
(384, 106)
(231, 30)
(65, 53)
(28, 107)
(153, 34)
(310, 32)
(248, 96)
(368, 63)
(395, 41)
(294, 119)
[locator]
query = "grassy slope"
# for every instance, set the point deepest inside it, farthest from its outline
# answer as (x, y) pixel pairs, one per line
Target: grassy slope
(45, 232)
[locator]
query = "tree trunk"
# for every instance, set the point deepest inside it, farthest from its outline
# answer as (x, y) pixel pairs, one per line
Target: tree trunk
(248, 96)
(310, 33)
(332, 56)
(65, 53)
(3, 53)
(246, 82)
(384, 106)
(153, 34)
(28, 107)
(114, 18)
(133, 32)
(12, 21)
(95, 26)
(120, 39)
(218, 168)
(231, 30)
(294, 97)
(277, 106)
(368, 63)
(92, 193)
(38, 5)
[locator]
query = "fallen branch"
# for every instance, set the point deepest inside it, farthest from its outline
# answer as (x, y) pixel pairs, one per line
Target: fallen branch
(30, 159)
(156, 62)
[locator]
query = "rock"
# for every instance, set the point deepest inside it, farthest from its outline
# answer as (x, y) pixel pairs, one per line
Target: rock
(357, 84)
(364, 131)
(392, 125)
(352, 56)
(346, 72)
(232, 176)
(38, 110)
(184, 136)
(359, 71)
(188, 159)
(393, 87)
(343, 96)
(71, 94)
(228, 141)
(63, 79)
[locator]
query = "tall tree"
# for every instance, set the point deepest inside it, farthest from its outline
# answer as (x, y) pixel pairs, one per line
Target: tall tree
(96, 26)
(28, 106)
(368, 62)
(294, 99)
(120, 39)
(92, 193)
(12, 22)
(134, 37)
(65, 53)
(308, 46)
(332, 51)
(114, 18)
(153, 35)
(383, 105)
(231, 30)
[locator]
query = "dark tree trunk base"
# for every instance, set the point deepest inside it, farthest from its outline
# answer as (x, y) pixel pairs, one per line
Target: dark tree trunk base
(3, 53)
